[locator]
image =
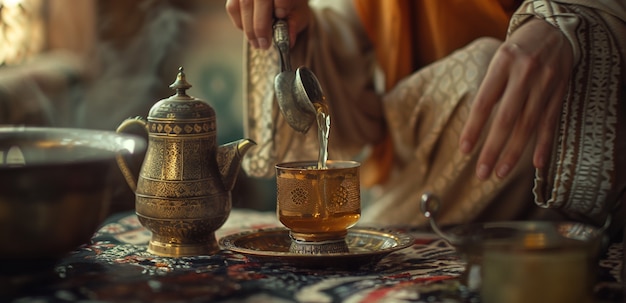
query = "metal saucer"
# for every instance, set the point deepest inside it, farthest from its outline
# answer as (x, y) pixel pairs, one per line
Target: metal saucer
(366, 247)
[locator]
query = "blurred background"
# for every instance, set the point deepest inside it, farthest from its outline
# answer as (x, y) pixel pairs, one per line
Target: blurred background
(93, 63)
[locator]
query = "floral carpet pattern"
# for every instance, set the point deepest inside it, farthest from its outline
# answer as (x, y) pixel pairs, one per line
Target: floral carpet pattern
(115, 267)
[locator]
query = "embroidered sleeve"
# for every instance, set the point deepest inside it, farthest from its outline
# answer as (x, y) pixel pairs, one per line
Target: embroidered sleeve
(581, 178)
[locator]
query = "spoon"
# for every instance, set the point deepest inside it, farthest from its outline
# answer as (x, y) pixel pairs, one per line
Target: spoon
(296, 91)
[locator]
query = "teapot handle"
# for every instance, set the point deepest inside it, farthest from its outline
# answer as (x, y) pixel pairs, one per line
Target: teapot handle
(122, 162)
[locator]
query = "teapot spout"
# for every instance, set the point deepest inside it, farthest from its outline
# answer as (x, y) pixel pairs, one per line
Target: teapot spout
(229, 157)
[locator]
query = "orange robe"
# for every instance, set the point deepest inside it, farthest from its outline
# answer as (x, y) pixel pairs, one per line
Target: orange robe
(408, 35)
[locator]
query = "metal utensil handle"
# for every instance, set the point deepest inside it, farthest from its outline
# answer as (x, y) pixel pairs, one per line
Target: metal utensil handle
(281, 40)
(121, 160)
(429, 206)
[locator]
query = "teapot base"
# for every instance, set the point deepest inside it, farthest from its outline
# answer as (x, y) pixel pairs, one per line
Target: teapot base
(183, 250)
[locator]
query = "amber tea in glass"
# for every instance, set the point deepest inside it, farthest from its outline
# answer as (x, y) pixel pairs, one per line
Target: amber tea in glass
(318, 205)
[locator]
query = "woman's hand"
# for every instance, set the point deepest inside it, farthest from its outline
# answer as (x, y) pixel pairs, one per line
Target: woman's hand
(256, 17)
(528, 76)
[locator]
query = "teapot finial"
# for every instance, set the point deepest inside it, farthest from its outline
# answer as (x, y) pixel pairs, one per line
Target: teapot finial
(181, 84)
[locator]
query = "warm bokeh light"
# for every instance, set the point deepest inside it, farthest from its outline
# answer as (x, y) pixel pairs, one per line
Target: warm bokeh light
(21, 30)
(10, 2)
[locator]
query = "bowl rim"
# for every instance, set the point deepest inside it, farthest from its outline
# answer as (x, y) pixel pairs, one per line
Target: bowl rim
(114, 143)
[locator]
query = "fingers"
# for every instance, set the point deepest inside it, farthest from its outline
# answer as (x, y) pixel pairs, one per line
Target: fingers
(233, 10)
(262, 20)
(504, 139)
(547, 127)
(529, 85)
(522, 133)
(247, 21)
(516, 119)
(521, 112)
(484, 102)
(489, 93)
(256, 17)
(282, 8)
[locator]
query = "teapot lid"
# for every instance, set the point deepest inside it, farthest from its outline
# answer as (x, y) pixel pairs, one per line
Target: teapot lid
(181, 106)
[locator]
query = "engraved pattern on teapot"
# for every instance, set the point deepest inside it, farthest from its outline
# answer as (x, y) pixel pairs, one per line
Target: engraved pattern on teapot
(182, 193)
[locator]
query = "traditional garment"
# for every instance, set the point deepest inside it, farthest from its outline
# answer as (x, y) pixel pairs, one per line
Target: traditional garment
(408, 35)
(587, 173)
(422, 114)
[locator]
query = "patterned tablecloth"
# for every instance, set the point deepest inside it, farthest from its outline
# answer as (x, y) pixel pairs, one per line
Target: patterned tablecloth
(116, 267)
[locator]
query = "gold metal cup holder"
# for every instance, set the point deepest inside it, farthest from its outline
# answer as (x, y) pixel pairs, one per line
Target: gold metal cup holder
(331, 246)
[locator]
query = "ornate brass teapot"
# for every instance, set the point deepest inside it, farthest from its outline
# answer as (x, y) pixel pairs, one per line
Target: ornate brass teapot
(182, 194)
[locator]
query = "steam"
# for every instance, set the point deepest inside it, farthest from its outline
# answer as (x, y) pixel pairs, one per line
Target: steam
(128, 78)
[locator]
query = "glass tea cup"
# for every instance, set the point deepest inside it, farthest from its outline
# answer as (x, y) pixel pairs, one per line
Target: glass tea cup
(318, 205)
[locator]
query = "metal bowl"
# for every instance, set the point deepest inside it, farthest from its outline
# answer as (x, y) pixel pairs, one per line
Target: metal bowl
(524, 261)
(55, 188)
(529, 261)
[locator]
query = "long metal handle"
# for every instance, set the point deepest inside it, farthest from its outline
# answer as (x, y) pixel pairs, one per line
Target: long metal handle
(281, 40)
(429, 206)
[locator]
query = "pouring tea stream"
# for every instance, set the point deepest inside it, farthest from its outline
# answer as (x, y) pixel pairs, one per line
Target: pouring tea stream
(299, 94)
(319, 201)
(296, 91)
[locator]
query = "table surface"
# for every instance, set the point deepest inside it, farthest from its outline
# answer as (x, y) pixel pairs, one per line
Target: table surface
(115, 266)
